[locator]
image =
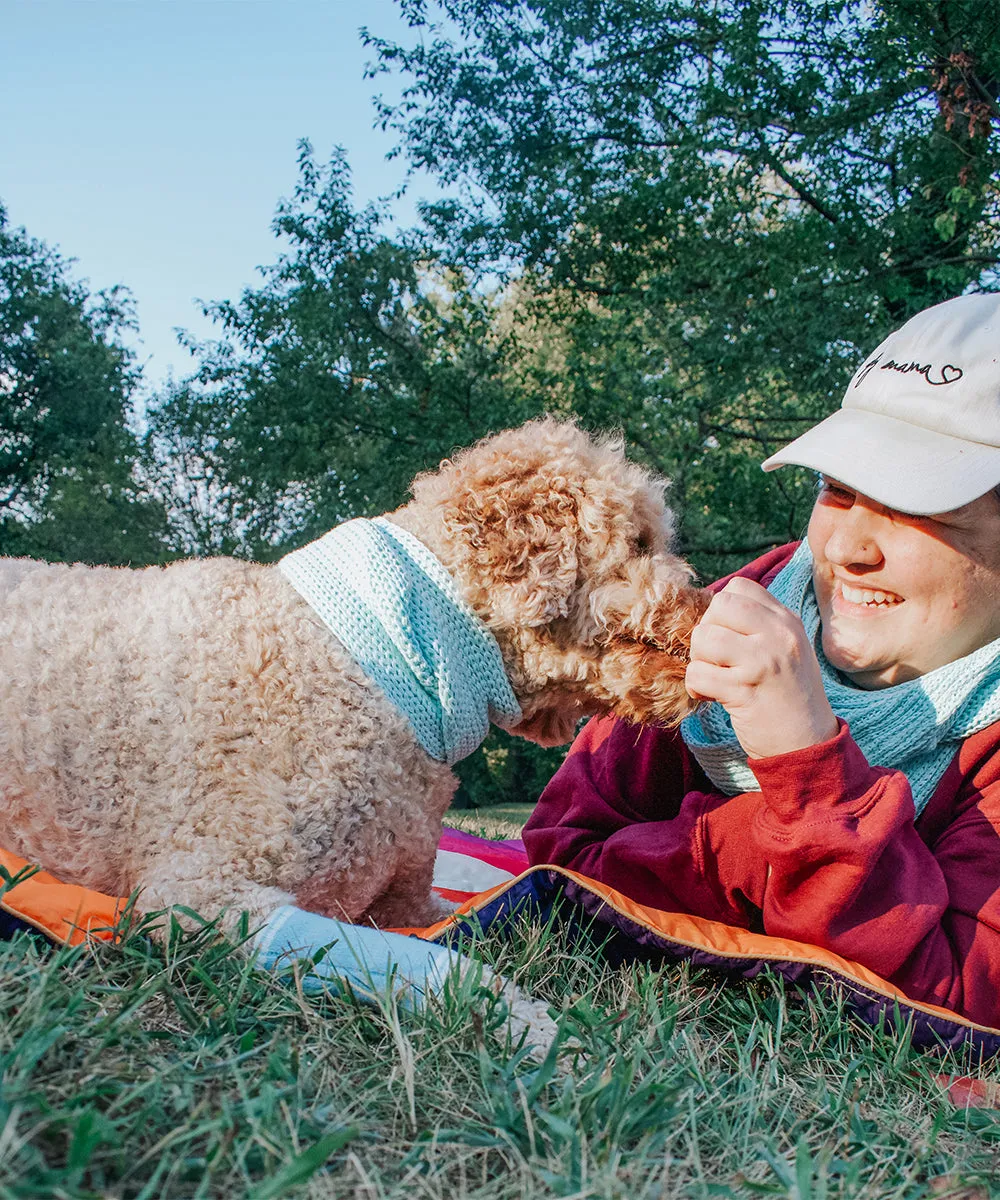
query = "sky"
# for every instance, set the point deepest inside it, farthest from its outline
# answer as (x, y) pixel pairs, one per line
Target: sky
(151, 140)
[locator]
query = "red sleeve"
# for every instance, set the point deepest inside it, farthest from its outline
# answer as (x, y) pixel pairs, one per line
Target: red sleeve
(630, 807)
(851, 872)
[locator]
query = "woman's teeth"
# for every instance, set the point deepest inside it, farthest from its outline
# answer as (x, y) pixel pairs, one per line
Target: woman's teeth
(863, 596)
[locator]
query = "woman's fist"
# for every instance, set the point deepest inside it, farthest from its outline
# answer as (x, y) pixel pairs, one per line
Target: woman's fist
(753, 656)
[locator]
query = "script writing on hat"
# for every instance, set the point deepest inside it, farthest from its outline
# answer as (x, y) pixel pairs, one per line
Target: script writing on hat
(934, 375)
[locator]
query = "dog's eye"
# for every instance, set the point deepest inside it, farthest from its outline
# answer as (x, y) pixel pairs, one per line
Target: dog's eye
(642, 544)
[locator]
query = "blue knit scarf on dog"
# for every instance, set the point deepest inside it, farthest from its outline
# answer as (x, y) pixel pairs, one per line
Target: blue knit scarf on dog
(399, 615)
(914, 727)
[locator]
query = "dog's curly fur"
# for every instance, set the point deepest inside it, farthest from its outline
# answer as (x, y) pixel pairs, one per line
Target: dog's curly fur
(196, 732)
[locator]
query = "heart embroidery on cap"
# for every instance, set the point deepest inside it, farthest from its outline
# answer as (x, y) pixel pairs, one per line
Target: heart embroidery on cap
(950, 374)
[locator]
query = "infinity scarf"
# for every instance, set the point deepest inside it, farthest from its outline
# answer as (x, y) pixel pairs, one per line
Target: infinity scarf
(399, 615)
(914, 727)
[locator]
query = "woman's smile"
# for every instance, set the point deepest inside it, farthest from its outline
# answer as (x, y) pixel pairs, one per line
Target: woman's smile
(849, 600)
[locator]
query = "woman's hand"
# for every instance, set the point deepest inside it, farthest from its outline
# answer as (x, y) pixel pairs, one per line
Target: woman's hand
(752, 655)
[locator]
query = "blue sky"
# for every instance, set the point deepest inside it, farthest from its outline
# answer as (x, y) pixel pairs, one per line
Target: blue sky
(151, 139)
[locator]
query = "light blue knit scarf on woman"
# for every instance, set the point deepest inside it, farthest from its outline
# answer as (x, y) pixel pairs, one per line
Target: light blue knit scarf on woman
(914, 727)
(398, 613)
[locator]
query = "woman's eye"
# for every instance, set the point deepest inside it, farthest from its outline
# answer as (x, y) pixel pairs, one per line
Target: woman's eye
(835, 492)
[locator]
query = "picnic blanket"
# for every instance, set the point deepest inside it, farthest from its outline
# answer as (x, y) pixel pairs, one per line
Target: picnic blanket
(495, 885)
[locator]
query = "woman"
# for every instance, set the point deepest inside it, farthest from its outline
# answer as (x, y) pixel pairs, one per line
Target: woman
(841, 784)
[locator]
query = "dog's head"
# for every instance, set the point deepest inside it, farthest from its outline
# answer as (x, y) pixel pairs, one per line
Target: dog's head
(561, 545)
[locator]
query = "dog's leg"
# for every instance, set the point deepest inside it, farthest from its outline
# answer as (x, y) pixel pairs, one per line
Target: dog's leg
(408, 901)
(203, 881)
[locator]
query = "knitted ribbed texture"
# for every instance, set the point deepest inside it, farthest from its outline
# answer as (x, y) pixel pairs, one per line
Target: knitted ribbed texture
(914, 727)
(400, 616)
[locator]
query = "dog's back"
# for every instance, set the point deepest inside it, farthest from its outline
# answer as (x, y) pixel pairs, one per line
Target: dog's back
(13, 571)
(104, 673)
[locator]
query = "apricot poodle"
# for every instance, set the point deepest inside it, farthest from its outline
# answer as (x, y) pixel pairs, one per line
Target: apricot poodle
(198, 732)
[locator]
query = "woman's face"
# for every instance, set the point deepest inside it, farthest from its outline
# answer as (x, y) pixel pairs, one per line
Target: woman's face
(900, 595)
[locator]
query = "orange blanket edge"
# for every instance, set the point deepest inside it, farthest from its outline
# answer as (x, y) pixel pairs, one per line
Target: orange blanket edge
(726, 941)
(64, 911)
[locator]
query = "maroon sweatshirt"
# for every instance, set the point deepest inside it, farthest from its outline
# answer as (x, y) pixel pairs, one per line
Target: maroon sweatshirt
(827, 852)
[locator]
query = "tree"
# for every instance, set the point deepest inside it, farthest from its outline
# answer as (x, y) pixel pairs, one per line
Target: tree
(718, 207)
(67, 386)
(356, 364)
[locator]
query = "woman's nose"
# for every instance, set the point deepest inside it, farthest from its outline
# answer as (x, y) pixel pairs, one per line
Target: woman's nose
(854, 538)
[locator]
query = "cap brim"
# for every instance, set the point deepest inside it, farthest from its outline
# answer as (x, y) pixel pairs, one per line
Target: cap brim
(902, 466)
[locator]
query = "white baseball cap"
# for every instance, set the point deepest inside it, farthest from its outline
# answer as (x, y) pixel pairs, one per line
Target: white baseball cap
(919, 427)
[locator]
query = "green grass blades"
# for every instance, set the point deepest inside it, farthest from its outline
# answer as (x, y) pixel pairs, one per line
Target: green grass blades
(134, 1071)
(497, 821)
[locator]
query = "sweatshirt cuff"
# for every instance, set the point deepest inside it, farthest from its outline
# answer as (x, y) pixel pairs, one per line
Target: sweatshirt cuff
(830, 774)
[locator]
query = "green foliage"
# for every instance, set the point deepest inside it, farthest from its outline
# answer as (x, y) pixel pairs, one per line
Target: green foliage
(720, 206)
(67, 384)
(355, 365)
(505, 770)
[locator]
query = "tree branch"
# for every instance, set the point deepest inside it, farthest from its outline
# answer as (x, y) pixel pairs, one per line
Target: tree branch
(800, 190)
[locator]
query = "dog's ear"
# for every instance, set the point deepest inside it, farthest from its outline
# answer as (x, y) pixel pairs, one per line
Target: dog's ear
(647, 620)
(516, 542)
(653, 603)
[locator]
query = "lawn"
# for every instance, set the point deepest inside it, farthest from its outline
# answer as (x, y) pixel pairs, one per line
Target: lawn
(129, 1071)
(500, 821)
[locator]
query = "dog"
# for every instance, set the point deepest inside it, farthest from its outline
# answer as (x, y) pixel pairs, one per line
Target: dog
(198, 732)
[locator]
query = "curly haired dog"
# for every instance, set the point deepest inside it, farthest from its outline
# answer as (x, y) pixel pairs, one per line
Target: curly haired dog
(197, 732)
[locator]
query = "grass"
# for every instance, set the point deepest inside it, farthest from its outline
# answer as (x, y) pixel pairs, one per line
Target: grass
(498, 821)
(134, 1071)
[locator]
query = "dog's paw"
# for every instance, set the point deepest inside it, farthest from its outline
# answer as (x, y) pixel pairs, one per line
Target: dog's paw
(526, 1018)
(529, 1018)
